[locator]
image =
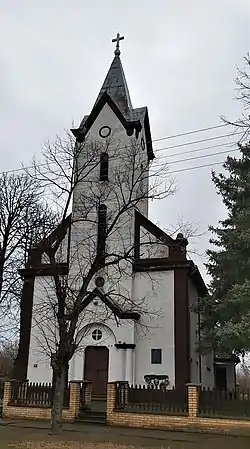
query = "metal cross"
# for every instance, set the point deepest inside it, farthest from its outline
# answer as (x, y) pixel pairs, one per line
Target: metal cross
(117, 39)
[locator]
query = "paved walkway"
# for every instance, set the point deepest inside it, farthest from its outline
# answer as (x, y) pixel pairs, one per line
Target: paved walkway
(120, 435)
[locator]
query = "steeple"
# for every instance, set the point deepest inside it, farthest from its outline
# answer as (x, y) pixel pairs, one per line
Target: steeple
(115, 83)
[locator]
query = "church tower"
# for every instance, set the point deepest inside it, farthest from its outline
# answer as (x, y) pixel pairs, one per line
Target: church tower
(113, 152)
(115, 127)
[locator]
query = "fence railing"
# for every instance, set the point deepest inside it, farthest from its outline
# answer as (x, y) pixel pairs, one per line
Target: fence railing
(228, 403)
(1, 391)
(83, 395)
(151, 399)
(35, 394)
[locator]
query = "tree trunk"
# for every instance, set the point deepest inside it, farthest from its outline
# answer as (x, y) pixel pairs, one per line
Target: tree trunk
(57, 406)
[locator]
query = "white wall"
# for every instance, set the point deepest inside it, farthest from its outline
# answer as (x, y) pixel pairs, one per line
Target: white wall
(207, 370)
(156, 328)
(84, 233)
(111, 334)
(230, 376)
(42, 338)
(193, 319)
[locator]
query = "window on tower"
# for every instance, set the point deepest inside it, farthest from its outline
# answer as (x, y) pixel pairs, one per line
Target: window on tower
(101, 235)
(104, 167)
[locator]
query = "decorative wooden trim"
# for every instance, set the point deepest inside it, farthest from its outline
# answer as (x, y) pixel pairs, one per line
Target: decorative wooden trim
(35, 268)
(226, 358)
(149, 144)
(158, 264)
(35, 253)
(115, 308)
(177, 247)
(44, 270)
(21, 362)
(125, 346)
(164, 264)
(130, 126)
(181, 327)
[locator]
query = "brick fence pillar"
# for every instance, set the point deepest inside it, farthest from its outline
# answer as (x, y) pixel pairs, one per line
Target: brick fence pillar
(111, 400)
(6, 398)
(74, 399)
(193, 399)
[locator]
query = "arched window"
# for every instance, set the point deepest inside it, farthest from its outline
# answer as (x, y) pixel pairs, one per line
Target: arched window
(104, 167)
(101, 233)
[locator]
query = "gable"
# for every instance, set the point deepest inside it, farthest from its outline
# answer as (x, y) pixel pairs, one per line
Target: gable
(112, 305)
(37, 253)
(175, 253)
(129, 125)
(151, 242)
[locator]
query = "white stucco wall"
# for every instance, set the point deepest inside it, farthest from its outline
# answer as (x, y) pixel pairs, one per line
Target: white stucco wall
(42, 341)
(155, 292)
(43, 329)
(156, 328)
(230, 376)
(193, 319)
(112, 193)
(111, 334)
(207, 370)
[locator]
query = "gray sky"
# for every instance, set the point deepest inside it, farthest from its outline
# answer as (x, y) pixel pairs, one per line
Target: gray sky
(179, 58)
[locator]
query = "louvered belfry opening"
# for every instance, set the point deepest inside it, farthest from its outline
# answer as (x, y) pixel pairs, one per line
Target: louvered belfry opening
(104, 167)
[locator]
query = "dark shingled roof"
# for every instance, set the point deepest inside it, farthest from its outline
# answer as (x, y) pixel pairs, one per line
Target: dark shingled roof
(115, 85)
(115, 88)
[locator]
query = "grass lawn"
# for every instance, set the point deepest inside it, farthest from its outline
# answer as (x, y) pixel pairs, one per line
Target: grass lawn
(94, 437)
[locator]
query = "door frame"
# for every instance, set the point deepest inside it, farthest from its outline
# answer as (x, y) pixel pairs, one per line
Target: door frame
(107, 368)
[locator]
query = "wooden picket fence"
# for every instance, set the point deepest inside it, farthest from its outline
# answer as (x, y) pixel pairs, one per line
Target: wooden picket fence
(34, 394)
(224, 403)
(1, 390)
(143, 398)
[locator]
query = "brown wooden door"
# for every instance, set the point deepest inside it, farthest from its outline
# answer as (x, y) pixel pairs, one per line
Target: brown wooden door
(96, 368)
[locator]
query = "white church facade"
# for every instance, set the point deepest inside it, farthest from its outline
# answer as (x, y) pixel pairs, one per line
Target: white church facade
(155, 342)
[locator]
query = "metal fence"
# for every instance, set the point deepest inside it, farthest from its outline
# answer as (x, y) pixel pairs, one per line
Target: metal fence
(142, 398)
(225, 403)
(35, 394)
(83, 388)
(1, 391)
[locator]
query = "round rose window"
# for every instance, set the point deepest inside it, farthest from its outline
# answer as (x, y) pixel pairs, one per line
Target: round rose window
(97, 334)
(105, 131)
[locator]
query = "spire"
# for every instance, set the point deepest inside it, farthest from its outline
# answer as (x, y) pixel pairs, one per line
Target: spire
(115, 83)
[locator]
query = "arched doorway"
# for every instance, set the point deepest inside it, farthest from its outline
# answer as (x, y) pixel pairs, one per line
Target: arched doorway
(96, 363)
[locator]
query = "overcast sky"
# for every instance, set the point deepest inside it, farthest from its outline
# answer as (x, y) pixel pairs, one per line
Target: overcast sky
(179, 58)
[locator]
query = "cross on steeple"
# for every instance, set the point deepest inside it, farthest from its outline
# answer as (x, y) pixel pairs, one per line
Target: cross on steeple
(117, 39)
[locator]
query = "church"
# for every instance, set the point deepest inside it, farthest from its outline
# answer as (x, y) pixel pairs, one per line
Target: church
(138, 322)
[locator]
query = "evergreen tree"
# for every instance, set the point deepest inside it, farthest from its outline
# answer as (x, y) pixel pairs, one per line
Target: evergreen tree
(225, 314)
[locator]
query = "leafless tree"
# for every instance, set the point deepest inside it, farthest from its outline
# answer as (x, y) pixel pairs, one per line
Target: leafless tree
(24, 220)
(96, 242)
(243, 376)
(242, 81)
(8, 353)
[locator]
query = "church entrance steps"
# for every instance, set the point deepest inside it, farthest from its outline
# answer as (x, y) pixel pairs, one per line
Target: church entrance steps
(92, 417)
(98, 406)
(98, 398)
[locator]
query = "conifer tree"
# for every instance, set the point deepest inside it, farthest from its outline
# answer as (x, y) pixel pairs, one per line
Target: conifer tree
(225, 314)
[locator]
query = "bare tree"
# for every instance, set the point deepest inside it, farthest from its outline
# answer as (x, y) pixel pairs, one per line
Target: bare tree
(8, 353)
(243, 376)
(96, 241)
(24, 220)
(242, 91)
